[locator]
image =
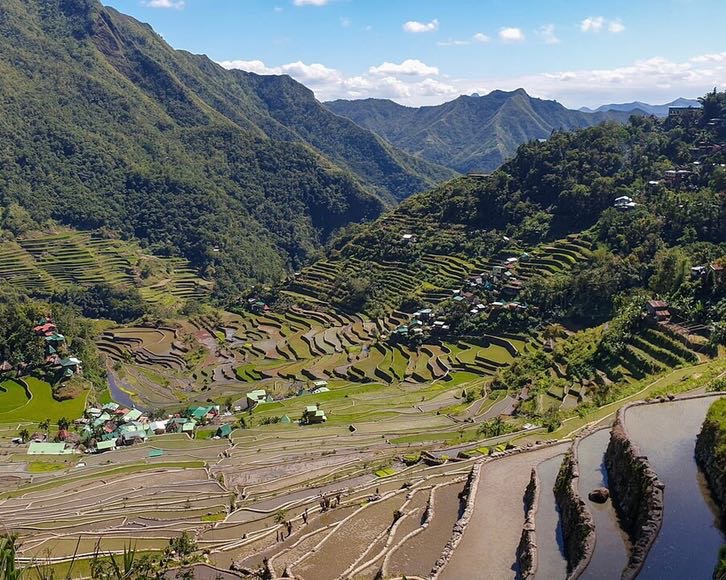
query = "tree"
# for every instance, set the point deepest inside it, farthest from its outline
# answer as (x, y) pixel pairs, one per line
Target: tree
(44, 425)
(8, 551)
(24, 434)
(63, 423)
(670, 270)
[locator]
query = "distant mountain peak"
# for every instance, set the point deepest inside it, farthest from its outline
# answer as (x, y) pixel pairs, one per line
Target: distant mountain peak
(646, 108)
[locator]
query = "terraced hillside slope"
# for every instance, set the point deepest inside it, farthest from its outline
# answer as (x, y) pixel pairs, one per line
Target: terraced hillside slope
(117, 129)
(43, 264)
(543, 212)
(470, 133)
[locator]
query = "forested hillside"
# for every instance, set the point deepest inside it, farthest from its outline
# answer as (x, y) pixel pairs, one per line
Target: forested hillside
(470, 133)
(639, 205)
(105, 126)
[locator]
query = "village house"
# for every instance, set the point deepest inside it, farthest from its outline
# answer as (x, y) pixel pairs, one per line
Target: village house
(624, 203)
(313, 414)
(38, 448)
(657, 310)
(224, 431)
(257, 396)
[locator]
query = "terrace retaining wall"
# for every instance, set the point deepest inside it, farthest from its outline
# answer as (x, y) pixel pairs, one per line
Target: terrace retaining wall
(578, 526)
(470, 493)
(527, 549)
(636, 492)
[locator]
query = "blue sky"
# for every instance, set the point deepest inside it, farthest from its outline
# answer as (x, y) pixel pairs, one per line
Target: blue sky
(429, 51)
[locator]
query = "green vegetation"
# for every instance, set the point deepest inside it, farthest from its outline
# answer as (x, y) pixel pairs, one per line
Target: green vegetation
(470, 133)
(240, 174)
(42, 405)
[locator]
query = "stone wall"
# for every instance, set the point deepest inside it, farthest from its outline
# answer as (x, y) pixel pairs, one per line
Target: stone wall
(578, 527)
(636, 493)
(527, 549)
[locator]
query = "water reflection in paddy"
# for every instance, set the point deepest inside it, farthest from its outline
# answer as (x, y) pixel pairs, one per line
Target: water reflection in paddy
(611, 546)
(551, 561)
(688, 543)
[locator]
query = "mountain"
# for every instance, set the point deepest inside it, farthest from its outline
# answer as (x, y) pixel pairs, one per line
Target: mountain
(552, 200)
(470, 133)
(104, 125)
(638, 106)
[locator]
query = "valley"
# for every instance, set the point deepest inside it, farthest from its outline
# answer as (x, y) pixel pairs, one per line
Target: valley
(248, 333)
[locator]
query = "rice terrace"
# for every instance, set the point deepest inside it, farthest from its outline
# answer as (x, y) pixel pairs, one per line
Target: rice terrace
(254, 330)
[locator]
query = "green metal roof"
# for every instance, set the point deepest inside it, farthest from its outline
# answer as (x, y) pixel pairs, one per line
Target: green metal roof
(132, 415)
(156, 452)
(106, 445)
(224, 430)
(36, 448)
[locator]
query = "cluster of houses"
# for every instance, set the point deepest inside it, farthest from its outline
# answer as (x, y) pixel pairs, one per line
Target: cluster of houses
(485, 292)
(258, 396)
(312, 413)
(110, 426)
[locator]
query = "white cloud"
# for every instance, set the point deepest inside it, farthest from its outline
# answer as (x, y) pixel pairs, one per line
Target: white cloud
(416, 27)
(255, 66)
(711, 57)
(598, 23)
(412, 82)
(176, 4)
(345, 22)
(511, 34)
(409, 67)
(547, 33)
(615, 26)
(432, 87)
(592, 24)
(478, 38)
(310, 2)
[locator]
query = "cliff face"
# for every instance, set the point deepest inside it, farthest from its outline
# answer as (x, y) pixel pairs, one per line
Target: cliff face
(636, 492)
(578, 527)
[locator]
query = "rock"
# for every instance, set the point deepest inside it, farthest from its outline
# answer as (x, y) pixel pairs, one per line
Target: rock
(599, 495)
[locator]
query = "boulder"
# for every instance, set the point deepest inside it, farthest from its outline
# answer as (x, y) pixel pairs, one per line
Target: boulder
(599, 495)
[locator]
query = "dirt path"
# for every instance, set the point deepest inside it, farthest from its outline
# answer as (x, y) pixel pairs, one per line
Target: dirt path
(489, 544)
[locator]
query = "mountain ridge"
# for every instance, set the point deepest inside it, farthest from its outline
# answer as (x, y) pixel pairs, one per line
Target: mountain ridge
(469, 133)
(107, 126)
(646, 108)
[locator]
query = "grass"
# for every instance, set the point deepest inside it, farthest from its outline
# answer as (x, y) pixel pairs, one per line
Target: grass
(12, 396)
(386, 472)
(213, 517)
(44, 467)
(42, 405)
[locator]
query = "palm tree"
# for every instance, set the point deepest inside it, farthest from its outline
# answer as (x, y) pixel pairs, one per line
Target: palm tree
(63, 423)
(497, 426)
(24, 434)
(553, 331)
(44, 425)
